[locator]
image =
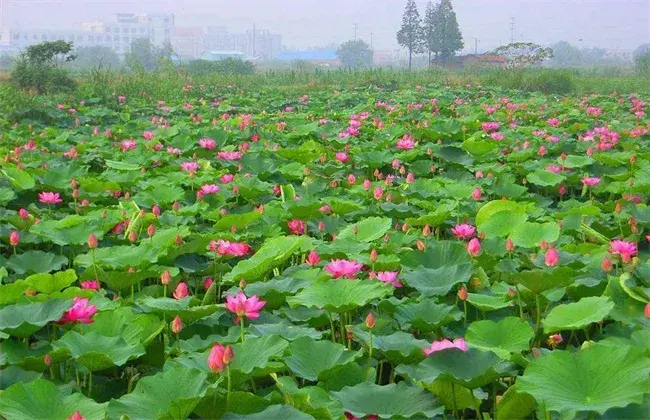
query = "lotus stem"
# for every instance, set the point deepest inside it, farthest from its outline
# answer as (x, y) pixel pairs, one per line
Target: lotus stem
(333, 332)
(241, 322)
(369, 356)
(228, 391)
(453, 398)
(538, 310)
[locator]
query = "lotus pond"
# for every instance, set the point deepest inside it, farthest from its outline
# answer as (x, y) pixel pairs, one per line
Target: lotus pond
(370, 253)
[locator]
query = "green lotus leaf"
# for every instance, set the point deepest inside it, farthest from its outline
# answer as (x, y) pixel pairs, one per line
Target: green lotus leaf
(592, 379)
(35, 262)
(50, 283)
(98, 352)
(314, 360)
(19, 179)
(488, 210)
(172, 394)
(168, 308)
(284, 412)
(538, 281)
(426, 315)
(471, 369)
(41, 399)
(515, 405)
(398, 347)
(530, 235)
(287, 331)
(24, 320)
(140, 328)
(312, 400)
(487, 303)
(508, 335)
(577, 315)
(273, 253)
(339, 295)
(545, 178)
(368, 229)
(388, 401)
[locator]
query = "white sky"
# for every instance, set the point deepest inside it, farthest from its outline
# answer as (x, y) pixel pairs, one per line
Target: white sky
(612, 24)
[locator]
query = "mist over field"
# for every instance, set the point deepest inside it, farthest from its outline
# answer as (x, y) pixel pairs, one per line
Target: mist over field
(619, 25)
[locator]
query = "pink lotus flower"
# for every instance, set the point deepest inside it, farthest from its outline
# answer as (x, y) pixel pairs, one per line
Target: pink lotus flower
(219, 357)
(445, 344)
(477, 194)
(23, 214)
(490, 126)
(378, 193)
(49, 197)
(474, 247)
(229, 155)
(90, 285)
(209, 189)
(352, 179)
(389, 277)
(207, 144)
(181, 291)
(76, 416)
(127, 145)
(325, 209)
(80, 311)
(190, 167)
(623, 248)
(342, 157)
(590, 181)
(244, 307)
(234, 249)
(207, 283)
(148, 135)
(463, 231)
(312, 258)
(497, 136)
(405, 143)
(552, 257)
(554, 168)
(297, 227)
(554, 122)
(343, 268)
(227, 178)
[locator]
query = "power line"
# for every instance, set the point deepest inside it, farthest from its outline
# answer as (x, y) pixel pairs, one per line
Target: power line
(512, 30)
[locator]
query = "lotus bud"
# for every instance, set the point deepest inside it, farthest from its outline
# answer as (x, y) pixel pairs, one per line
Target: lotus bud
(178, 240)
(151, 230)
(165, 277)
(155, 210)
(462, 293)
(607, 265)
(421, 246)
(176, 206)
(92, 241)
(426, 231)
(370, 320)
(242, 284)
(133, 236)
(177, 325)
(228, 355)
(373, 255)
(23, 214)
(14, 238)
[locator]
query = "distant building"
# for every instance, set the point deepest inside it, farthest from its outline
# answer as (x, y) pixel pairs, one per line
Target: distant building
(258, 43)
(187, 43)
(472, 60)
(116, 34)
(216, 55)
(323, 58)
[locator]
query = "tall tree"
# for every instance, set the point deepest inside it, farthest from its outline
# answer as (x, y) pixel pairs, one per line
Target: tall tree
(410, 34)
(446, 32)
(428, 29)
(354, 54)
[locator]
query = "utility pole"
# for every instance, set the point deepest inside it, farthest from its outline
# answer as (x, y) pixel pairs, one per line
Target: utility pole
(475, 45)
(253, 39)
(356, 27)
(512, 30)
(371, 45)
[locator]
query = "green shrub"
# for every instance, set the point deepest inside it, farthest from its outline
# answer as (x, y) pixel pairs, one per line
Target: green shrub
(226, 66)
(39, 68)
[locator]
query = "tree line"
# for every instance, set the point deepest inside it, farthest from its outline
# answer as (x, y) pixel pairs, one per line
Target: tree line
(437, 34)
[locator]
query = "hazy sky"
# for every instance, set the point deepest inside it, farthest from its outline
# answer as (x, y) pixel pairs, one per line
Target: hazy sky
(613, 24)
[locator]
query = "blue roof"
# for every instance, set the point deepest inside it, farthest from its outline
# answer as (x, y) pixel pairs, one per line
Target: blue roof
(307, 55)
